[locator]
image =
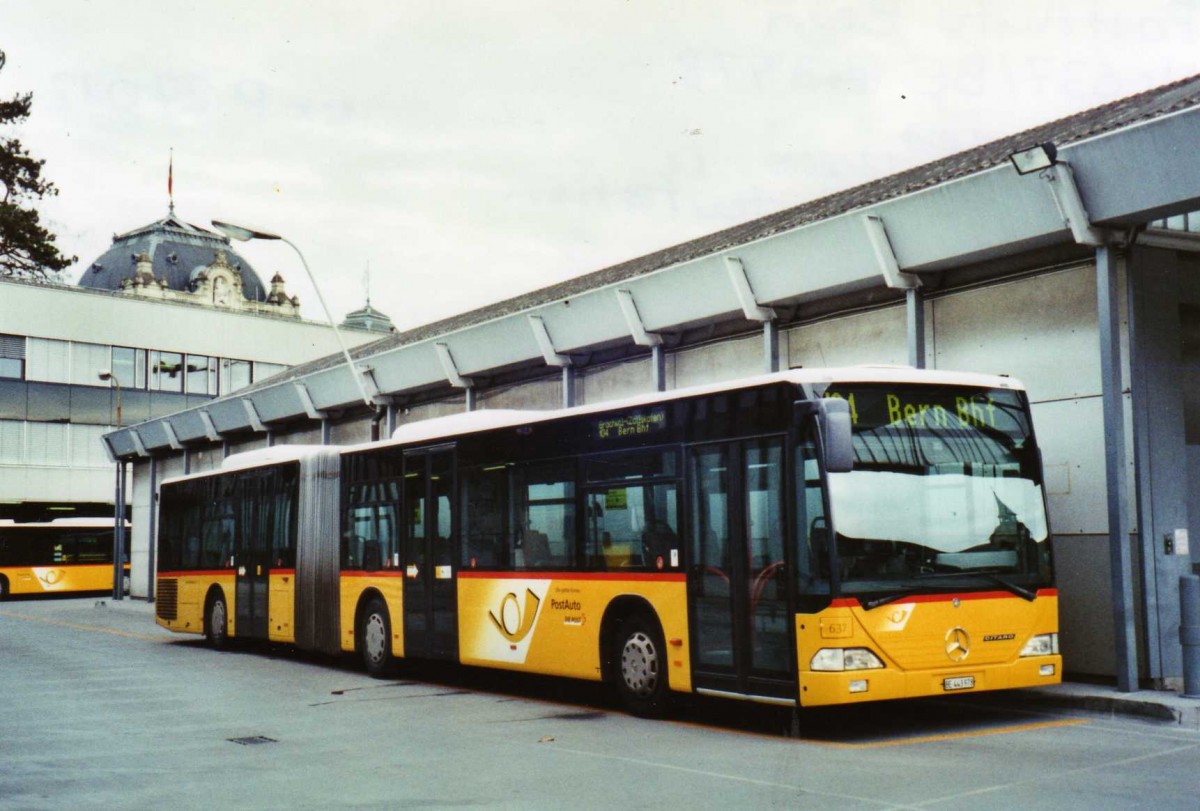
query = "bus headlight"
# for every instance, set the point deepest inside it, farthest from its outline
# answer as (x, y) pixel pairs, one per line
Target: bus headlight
(844, 659)
(1041, 645)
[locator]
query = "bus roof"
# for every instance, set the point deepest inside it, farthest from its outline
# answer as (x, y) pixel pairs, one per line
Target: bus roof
(274, 455)
(472, 421)
(61, 523)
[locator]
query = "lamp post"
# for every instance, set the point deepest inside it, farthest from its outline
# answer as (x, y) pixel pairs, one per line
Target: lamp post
(244, 234)
(111, 379)
(118, 501)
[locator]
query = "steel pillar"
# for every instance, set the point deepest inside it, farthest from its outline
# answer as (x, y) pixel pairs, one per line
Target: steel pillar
(1120, 557)
(118, 529)
(771, 346)
(152, 525)
(915, 318)
(568, 386)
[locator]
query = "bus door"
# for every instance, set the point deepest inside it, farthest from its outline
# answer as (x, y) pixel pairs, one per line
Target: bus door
(430, 555)
(738, 575)
(253, 556)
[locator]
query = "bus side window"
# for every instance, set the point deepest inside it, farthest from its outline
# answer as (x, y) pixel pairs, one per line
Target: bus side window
(485, 516)
(812, 530)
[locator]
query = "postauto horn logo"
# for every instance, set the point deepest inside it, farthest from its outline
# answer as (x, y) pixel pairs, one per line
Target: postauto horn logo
(515, 622)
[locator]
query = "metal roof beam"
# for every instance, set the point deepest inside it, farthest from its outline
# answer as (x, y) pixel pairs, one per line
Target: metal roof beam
(1065, 192)
(634, 320)
(745, 294)
(889, 266)
(450, 368)
(256, 422)
(138, 446)
(172, 437)
(306, 400)
(210, 428)
(542, 336)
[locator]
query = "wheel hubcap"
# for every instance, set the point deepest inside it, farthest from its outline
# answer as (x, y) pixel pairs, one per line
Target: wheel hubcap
(374, 638)
(639, 665)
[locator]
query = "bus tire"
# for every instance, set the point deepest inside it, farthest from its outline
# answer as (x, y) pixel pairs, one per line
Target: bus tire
(375, 638)
(639, 666)
(216, 622)
(3, 588)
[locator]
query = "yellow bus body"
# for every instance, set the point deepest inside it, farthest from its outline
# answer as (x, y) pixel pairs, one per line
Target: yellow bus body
(390, 586)
(58, 579)
(551, 623)
(189, 591)
(921, 642)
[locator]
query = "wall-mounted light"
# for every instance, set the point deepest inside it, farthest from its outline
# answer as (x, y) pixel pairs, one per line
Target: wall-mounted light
(1034, 159)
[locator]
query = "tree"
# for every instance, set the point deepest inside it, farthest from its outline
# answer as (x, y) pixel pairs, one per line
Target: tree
(27, 249)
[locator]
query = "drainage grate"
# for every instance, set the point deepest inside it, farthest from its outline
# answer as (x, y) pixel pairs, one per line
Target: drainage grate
(252, 740)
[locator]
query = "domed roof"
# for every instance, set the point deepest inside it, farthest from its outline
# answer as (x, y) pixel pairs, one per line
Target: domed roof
(177, 251)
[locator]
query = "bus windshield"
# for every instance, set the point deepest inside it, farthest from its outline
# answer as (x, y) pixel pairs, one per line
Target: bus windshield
(946, 492)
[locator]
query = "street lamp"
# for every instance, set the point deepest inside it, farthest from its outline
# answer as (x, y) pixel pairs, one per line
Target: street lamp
(110, 378)
(118, 501)
(243, 234)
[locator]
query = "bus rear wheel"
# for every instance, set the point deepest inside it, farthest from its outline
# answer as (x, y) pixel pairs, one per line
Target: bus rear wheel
(216, 623)
(3, 588)
(639, 667)
(375, 638)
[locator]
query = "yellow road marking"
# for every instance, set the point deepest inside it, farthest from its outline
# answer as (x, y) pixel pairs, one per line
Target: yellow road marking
(1066, 722)
(78, 627)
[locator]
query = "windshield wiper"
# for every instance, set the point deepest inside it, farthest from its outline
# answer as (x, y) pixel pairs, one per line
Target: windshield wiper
(991, 577)
(1020, 591)
(891, 597)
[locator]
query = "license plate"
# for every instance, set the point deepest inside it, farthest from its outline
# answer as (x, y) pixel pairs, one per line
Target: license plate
(958, 683)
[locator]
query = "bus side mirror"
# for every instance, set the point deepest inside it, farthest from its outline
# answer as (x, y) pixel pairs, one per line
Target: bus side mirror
(838, 444)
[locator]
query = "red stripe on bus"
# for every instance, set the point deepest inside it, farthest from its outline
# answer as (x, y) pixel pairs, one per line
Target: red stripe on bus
(666, 577)
(379, 573)
(852, 602)
(216, 572)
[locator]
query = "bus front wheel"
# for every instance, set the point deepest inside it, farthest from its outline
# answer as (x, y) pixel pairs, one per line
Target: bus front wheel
(640, 666)
(216, 623)
(375, 638)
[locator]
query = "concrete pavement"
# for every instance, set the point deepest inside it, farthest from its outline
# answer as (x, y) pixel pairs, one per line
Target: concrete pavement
(1094, 699)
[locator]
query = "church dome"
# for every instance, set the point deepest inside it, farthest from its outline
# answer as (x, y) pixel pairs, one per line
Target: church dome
(178, 252)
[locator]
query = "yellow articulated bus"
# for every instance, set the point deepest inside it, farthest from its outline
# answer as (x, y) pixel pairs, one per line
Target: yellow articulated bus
(805, 538)
(56, 557)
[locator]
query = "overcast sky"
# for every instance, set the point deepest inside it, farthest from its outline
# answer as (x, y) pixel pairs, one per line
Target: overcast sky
(470, 151)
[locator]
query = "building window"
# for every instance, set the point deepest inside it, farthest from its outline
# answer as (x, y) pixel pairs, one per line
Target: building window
(12, 442)
(201, 375)
(129, 366)
(48, 360)
(12, 357)
(88, 361)
(166, 371)
(263, 370)
(235, 374)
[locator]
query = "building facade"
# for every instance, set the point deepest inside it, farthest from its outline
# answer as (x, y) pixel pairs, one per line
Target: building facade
(170, 317)
(1078, 277)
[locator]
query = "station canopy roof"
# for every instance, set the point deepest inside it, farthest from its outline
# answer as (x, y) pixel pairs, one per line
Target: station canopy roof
(1134, 161)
